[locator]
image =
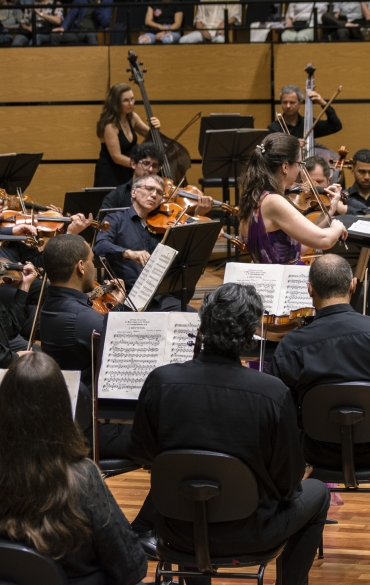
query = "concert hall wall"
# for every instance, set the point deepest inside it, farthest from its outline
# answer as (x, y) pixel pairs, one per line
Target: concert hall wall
(50, 98)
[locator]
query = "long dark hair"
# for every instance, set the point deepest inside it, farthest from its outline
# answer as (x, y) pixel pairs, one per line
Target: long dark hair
(260, 173)
(39, 448)
(112, 108)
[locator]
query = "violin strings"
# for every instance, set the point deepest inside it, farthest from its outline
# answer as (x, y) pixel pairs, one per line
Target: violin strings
(111, 273)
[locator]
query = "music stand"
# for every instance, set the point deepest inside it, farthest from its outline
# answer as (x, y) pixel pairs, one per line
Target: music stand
(87, 201)
(222, 122)
(17, 171)
(194, 243)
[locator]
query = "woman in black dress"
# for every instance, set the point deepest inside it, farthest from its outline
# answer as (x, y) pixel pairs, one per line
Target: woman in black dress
(117, 130)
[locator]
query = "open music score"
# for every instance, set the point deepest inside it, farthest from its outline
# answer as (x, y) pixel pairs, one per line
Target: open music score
(283, 288)
(136, 343)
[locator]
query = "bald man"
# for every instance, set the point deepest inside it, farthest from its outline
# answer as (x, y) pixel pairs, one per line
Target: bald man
(334, 348)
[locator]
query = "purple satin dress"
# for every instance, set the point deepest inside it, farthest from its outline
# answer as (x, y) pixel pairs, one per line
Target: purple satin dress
(272, 247)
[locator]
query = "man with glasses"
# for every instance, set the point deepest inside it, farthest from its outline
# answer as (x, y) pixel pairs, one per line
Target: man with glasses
(128, 243)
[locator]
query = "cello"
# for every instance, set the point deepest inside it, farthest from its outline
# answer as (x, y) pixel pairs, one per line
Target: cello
(176, 158)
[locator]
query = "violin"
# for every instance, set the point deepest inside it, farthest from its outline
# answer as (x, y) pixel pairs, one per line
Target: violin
(102, 299)
(189, 197)
(279, 325)
(176, 157)
(12, 273)
(303, 198)
(48, 223)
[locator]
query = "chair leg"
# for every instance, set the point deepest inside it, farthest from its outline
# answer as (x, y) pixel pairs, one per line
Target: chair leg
(279, 570)
(260, 575)
(321, 547)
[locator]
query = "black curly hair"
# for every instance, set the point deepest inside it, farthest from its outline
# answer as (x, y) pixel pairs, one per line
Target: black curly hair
(229, 318)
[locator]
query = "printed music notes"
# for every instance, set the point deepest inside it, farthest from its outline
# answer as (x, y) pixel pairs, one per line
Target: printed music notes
(283, 288)
(136, 343)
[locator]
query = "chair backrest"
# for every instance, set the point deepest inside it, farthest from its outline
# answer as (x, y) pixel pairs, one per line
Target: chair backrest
(237, 497)
(21, 565)
(320, 400)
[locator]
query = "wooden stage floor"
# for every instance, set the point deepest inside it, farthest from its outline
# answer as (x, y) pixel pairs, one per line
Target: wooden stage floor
(346, 544)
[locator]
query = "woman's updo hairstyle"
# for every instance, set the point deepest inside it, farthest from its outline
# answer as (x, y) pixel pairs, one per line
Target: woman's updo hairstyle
(261, 171)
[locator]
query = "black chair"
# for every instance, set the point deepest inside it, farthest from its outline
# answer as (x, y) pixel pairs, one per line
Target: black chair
(21, 565)
(204, 487)
(339, 413)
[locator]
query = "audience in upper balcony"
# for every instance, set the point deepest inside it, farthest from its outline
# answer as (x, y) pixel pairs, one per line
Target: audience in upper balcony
(10, 18)
(346, 20)
(299, 21)
(46, 19)
(209, 22)
(162, 22)
(80, 25)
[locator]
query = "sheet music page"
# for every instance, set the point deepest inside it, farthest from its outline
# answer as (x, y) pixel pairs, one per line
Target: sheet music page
(134, 346)
(72, 379)
(265, 277)
(181, 334)
(360, 227)
(293, 293)
(151, 276)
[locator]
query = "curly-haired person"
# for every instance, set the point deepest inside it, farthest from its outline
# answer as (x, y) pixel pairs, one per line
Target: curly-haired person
(213, 403)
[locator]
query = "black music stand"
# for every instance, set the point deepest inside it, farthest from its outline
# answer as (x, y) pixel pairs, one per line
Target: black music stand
(222, 122)
(87, 201)
(17, 171)
(194, 243)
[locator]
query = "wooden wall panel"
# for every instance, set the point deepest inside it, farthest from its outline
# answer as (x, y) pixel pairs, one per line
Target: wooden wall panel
(60, 132)
(355, 133)
(199, 72)
(336, 64)
(53, 74)
(51, 182)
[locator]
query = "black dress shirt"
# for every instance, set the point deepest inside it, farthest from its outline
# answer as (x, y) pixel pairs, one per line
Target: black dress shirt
(12, 318)
(216, 404)
(334, 348)
(323, 127)
(357, 205)
(120, 197)
(126, 232)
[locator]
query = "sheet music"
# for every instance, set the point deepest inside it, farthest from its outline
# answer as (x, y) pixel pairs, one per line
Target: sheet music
(151, 276)
(181, 334)
(72, 379)
(133, 347)
(265, 277)
(360, 227)
(294, 293)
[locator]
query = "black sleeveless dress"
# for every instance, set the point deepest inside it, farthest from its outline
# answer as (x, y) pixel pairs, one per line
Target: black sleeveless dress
(107, 172)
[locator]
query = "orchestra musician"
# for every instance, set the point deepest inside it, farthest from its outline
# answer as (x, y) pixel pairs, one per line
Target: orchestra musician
(291, 99)
(128, 243)
(273, 229)
(359, 192)
(320, 172)
(53, 497)
(117, 131)
(212, 403)
(332, 349)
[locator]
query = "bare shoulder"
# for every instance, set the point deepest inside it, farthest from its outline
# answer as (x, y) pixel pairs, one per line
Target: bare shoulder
(110, 130)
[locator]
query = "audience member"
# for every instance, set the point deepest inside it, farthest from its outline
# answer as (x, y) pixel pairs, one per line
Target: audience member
(80, 24)
(209, 22)
(213, 403)
(334, 348)
(53, 498)
(299, 21)
(345, 20)
(10, 19)
(162, 22)
(46, 19)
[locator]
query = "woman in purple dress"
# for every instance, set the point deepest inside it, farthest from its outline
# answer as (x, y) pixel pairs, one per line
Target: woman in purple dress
(274, 231)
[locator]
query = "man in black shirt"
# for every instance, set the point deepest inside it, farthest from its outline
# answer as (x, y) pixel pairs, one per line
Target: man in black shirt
(213, 403)
(334, 348)
(291, 100)
(359, 193)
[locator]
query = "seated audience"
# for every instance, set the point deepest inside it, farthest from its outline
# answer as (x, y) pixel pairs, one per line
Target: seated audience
(299, 21)
(213, 403)
(46, 19)
(80, 24)
(53, 498)
(209, 22)
(163, 22)
(334, 348)
(10, 18)
(345, 21)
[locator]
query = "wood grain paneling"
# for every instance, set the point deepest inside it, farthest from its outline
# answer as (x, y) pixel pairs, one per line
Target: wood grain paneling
(51, 182)
(53, 74)
(199, 71)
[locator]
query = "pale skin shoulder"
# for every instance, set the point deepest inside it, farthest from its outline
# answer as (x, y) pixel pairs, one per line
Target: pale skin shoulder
(111, 138)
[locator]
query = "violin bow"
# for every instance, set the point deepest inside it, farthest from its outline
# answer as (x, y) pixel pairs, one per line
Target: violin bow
(37, 312)
(282, 123)
(176, 190)
(192, 121)
(333, 97)
(110, 271)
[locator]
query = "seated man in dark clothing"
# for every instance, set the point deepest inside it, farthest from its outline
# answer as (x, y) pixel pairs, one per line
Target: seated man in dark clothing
(67, 322)
(213, 403)
(82, 22)
(359, 192)
(334, 348)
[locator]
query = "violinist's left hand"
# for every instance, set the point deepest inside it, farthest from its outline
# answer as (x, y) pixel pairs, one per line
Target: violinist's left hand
(334, 192)
(23, 229)
(29, 275)
(204, 205)
(55, 208)
(155, 122)
(117, 293)
(316, 98)
(79, 223)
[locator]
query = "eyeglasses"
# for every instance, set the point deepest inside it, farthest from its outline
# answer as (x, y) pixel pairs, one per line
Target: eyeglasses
(151, 189)
(301, 164)
(147, 165)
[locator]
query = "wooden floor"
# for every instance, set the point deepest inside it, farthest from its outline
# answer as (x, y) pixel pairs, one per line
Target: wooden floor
(346, 544)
